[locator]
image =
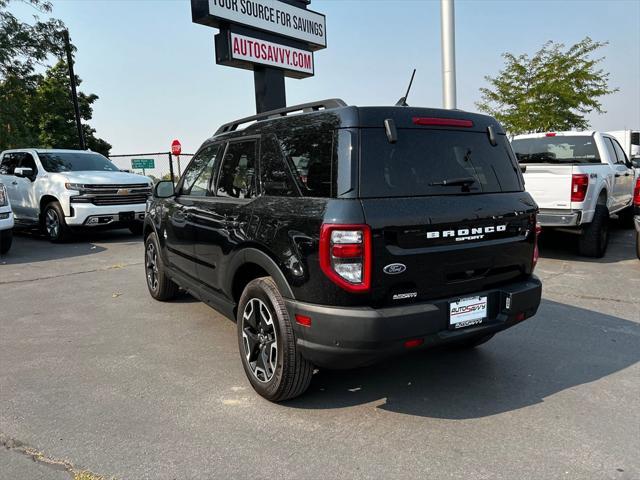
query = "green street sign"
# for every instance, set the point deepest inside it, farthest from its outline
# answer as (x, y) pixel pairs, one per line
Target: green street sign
(142, 163)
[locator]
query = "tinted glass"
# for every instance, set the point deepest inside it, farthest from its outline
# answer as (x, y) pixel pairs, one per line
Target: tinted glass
(27, 161)
(610, 150)
(421, 160)
(9, 163)
(198, 176)
(559, 149)
(237, 173)
(275, 177)
(309, 151)
(622, 157)
(75, 162)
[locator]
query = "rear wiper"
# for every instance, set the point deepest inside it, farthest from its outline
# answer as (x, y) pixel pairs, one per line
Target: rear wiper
(464, 181)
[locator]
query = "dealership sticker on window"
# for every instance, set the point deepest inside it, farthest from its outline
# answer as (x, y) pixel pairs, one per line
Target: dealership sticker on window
(467, 311)
(269, 53)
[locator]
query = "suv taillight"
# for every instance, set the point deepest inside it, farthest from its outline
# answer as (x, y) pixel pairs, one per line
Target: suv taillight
(636, 194)
(536, 252)
(579, 185)
(345, 255)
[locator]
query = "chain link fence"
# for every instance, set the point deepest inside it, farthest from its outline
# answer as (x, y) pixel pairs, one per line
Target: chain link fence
(164, 164)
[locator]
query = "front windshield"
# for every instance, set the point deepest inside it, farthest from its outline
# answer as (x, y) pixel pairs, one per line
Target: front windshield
(557, 149)
(57, 162)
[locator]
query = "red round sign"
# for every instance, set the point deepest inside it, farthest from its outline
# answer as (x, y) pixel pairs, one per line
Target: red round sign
(176, 148)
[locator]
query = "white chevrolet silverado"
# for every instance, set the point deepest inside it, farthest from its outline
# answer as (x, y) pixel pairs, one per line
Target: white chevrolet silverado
(6, 221)
(60, 190)
(578, 179)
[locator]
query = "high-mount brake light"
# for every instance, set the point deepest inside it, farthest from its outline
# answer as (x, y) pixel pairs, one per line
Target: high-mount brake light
(550, 134)
(345, 255)
(579, 185)
(636, 194)
(442, 122)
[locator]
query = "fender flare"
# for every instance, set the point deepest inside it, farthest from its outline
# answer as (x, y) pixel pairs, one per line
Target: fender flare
(253, 255)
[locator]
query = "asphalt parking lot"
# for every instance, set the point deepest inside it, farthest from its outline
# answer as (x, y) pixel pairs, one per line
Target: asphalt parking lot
(96, 376)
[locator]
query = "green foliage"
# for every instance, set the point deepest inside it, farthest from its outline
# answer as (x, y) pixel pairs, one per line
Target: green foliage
(552, 90)
(36, 110)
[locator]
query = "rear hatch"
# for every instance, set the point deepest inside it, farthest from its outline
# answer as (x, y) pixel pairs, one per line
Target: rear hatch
(447, 211)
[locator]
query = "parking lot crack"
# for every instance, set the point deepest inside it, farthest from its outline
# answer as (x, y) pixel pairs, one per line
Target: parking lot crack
(49, 277)
(21, 448)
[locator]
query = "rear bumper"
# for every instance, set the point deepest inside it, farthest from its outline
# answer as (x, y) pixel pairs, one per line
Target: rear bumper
(352, 337)
(556, 218)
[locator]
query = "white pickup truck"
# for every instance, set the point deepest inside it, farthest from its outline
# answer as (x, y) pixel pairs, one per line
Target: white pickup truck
(578, 179)
(60, 190)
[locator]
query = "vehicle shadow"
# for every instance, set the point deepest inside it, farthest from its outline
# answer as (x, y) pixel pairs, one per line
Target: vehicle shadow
(31, 246)
(564, 246)
(560, 348)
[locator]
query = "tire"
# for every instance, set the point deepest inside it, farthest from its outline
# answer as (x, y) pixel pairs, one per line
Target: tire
(6, 239)
(54, 224)
(625, 217)
(263, 326)
(473, 342)
(160, 286)
(136, 228)
(595, 237)
(638, 244)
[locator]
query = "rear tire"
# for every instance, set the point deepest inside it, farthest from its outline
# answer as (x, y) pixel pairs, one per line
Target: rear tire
(160, 286)
(267, 344)
(54, 224)
(6, 239)
(474, 342)
(595, 237)
(638, 244)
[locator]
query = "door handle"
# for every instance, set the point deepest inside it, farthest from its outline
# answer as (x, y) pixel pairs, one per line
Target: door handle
(618, 175)
(14, 183)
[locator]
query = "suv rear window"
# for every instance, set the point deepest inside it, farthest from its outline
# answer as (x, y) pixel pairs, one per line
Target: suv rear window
(559, 149)
(421, 159)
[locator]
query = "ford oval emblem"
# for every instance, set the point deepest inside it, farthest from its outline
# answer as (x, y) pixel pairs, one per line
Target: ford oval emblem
(394, 268)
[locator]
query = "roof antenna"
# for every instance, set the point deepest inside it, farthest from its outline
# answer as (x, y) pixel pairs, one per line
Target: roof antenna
(403, 101)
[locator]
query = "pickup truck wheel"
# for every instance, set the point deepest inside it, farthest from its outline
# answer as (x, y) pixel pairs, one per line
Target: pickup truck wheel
(54, 224)
(6, 238)
(136, 228)
(160, 286)
(267, 343)
(595, 237)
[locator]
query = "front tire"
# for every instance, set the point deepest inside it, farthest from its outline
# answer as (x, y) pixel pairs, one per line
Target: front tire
(54, 223)
(595, 237)
(6, 239)
(160, 286)
(267, 344)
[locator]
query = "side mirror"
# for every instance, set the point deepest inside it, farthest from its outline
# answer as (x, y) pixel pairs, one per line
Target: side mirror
(164, 189)
(635, 162)
(23, 172)
(523, 168)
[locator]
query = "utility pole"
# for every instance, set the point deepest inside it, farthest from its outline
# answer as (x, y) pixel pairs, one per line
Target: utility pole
(448, 32)
(74, 93)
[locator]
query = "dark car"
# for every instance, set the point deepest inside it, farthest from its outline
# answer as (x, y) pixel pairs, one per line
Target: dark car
(337, 236)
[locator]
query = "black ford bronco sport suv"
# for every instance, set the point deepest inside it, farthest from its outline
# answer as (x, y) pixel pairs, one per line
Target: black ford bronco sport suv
(338, 235)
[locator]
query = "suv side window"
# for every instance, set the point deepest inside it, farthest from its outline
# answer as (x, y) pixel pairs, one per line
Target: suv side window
(198, 176)
(9, 163)
(622, 157)
(236, 178)
(310, 151)
(275, 177)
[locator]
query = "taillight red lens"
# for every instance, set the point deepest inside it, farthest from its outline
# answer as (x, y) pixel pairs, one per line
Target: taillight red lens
(550, 134)
(579, 185)
(442, 122)
(345, 255)
(536, 252)
(636, 194)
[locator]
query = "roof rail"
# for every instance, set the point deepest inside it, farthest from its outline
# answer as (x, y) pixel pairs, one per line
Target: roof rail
(282, 112)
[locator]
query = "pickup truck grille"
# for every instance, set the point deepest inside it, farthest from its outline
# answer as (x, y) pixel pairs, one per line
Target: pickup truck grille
(113, 194)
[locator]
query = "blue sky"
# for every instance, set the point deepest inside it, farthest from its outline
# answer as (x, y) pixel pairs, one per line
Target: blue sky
(156, 76)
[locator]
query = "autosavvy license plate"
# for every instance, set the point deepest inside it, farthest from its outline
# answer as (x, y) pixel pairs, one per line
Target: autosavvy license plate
(467, 311)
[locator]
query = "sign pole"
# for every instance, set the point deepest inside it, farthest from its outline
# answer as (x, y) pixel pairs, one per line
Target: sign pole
(74, 93)
(447, 24)
(173, 177)
(270, 89)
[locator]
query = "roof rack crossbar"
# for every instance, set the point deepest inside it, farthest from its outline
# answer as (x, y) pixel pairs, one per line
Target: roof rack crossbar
(282, 112)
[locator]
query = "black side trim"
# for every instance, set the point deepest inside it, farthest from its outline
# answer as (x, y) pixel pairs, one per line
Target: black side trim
(253, 255)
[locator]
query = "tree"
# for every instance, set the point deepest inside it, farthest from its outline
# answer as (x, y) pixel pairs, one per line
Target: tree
(54, 110)
(553, 90)
(35, 109)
